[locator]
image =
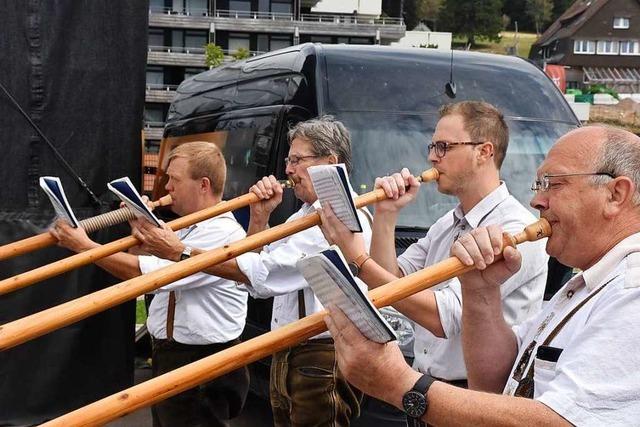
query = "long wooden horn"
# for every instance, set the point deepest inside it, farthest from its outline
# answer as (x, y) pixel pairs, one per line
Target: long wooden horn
(35, 325)
(89, 225)
(36, 275)
(186, 377)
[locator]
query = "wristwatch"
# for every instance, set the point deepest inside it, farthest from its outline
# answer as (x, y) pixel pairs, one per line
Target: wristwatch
(186, 253)
(415, 403)
(356, 265)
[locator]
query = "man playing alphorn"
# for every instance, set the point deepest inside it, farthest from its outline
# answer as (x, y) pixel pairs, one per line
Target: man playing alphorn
(195, 316)
(306, 388)
(574, 363)
(467, 149)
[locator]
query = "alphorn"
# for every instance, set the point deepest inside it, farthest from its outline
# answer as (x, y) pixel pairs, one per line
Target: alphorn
(72, 262)
(89, 225)
(211, 367)
(35, 325)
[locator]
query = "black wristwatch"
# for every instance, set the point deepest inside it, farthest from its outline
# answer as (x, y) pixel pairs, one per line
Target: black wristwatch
(186, 253)
(415, 403)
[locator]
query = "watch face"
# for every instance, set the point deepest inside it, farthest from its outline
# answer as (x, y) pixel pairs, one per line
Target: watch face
(354, 269)
(414, 404)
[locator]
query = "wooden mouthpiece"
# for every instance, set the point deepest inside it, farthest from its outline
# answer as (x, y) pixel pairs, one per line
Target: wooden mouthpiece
(163, 201)
(536, 231)
(429, 175)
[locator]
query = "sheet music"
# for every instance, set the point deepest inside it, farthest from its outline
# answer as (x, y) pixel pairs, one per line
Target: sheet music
(124, 189)
(53, 189)
(332, 282)
(332, 186)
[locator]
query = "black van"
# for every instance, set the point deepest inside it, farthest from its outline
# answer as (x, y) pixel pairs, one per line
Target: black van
(389, 99)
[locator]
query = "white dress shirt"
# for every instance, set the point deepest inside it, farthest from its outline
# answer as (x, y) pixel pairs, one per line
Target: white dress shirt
(521, 294)
(209, 309)
(595, 380)
(273, 272)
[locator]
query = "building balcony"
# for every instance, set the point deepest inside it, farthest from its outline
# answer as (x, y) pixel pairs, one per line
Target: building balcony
(153, 130)
(179, 56)
(269, 22)
(160, 93)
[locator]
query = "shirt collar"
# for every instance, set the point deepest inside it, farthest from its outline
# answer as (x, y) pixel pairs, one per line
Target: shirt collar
(482, 209)
(601, 270)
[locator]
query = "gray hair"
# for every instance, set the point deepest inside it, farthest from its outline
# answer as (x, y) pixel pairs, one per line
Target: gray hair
(620, 156)
(327, 136)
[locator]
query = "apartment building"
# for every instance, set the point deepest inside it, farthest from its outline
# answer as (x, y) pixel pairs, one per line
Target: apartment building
(179, 30)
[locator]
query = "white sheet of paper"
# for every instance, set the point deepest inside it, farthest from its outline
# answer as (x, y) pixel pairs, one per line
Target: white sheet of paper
(124, 189)
(332, 287)
(335, 189)
(53, 189)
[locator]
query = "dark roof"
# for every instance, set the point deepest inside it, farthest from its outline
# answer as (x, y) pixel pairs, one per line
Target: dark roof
(570, 21)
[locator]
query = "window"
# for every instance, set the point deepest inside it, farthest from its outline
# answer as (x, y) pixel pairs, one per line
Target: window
(156, 37)
(630, 47)
(607, 47)
(195, 39)
(155, 75)
(279, 42)
(281, 6)
(584, 47)
(621, 23)
(240, 5)
(237, 41)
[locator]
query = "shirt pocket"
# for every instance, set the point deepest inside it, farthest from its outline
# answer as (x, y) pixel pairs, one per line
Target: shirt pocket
(544, 368)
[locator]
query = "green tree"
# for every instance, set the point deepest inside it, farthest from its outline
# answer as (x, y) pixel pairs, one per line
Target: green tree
(560, 6)
(540, 11)
(428, 11)
(213, 55)
(241, 53)
(472, 18)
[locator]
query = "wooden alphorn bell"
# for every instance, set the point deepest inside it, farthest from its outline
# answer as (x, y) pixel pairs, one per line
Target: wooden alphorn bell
(35, 325)
(72, 262)
(89, 225)
(211, 367)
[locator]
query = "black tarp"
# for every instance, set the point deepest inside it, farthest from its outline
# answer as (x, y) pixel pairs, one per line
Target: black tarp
(78, 69)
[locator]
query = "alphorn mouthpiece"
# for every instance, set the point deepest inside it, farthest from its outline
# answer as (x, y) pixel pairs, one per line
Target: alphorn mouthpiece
(286, 183)
(163, 201)
(429, 175)
(532, 232)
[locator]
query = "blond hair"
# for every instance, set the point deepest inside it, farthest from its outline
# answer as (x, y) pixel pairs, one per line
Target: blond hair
(205, 160)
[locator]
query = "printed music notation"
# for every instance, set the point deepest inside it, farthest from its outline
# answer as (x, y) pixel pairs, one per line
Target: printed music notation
(52, 187)
(124, 189)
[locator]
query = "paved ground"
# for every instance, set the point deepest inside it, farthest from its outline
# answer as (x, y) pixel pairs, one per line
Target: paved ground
(256, 413)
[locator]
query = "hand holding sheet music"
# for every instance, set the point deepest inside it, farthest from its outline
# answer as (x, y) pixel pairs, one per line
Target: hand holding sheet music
(53, 189)
(332, 282)
(332, 186)
(124, 189)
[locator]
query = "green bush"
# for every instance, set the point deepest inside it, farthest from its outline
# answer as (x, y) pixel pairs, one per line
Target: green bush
(240, 54)
(213, 55)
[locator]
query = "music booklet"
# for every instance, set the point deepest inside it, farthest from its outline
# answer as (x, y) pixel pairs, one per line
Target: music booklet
(332, 282)
(332, 186)
(53, 189)
(124, 189)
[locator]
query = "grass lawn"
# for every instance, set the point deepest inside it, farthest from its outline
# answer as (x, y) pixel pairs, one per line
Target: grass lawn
(507, 39)
(141, 312)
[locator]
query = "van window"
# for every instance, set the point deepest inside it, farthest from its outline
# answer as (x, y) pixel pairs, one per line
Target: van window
(383, 143)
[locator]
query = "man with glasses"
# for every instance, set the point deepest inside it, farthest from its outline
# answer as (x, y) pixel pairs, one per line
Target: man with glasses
(576, 361)
(306, 387)
(468, 147)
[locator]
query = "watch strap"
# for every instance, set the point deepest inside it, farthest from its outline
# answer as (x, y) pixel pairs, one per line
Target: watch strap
(421, 386)
(186, 253)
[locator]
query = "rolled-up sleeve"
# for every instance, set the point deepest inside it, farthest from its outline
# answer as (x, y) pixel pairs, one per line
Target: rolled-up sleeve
(449, 303)
(273, 271)
(413, 258)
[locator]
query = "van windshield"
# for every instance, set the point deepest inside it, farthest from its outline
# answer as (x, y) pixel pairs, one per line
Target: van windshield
(383, 143)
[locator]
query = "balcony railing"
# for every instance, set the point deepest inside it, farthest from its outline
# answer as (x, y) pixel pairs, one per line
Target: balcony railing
(350, 19)
(196, 50)
(274, 16)
(160, 86)
(177, 49)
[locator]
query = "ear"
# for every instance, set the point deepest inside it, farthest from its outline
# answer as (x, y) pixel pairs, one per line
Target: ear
(333, 159)
(205, 185)
(620, 195)
(486, 152)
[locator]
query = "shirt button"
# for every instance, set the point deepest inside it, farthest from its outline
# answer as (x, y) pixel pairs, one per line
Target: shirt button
(425, 351)
(275, 320)
(570, 294)
(462, 227)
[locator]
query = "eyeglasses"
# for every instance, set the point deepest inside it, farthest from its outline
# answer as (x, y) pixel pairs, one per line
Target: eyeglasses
(543, 183)
(441, 147)
(294, 160)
